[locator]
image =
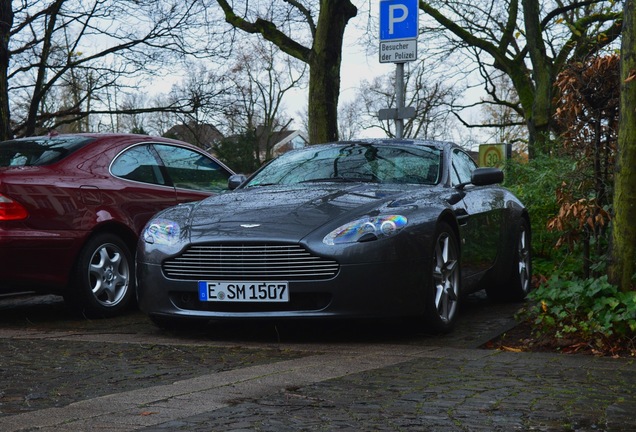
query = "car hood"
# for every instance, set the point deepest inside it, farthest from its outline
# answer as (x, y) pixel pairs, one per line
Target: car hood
(288, 213)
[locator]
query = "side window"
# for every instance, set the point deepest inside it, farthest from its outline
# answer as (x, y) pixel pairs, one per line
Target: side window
(463, 166)
(192, 170)
(138, 164)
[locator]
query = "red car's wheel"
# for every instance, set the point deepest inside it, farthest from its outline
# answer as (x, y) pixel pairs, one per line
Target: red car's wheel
(103, 283)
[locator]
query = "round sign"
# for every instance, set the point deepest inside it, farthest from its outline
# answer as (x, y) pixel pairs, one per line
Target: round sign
(492, 156)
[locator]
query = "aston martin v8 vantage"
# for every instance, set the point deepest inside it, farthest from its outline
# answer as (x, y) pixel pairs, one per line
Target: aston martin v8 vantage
(365, 228)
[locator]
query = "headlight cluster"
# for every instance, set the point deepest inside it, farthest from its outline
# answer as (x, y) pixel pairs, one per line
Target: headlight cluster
(161, 232)
(366, 229)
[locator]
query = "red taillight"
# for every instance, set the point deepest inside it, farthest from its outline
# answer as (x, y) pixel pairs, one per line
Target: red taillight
(11, 210)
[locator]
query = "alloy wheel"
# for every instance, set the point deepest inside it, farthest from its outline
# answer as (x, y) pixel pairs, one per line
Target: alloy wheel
(446, 277)
(109, 275)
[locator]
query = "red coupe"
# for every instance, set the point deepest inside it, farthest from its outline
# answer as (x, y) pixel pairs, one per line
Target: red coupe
(72, 208)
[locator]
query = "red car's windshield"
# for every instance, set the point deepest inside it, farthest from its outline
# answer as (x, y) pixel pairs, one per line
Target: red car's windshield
(39, 151)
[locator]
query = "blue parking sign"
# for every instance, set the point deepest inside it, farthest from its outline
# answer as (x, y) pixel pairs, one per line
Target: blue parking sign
(398, 19)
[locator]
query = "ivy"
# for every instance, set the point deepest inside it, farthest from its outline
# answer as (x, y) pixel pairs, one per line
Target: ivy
(584, 309)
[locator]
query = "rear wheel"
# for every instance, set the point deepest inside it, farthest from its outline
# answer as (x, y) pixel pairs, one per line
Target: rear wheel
(103, 283)
(519, 282)
(443, 295)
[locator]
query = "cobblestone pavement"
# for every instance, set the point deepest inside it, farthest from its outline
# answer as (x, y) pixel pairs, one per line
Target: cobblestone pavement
(64, 374)
(446, 390)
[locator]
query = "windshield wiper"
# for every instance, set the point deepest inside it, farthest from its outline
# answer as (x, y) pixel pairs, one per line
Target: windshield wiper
(260, 184)
(370, 179)
(333, 179)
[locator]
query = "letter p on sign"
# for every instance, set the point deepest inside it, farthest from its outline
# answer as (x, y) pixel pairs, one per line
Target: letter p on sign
(395, 17)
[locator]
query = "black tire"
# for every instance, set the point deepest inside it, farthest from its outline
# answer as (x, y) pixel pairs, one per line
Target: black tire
(444, 290)
(519, 281)
(104, 278)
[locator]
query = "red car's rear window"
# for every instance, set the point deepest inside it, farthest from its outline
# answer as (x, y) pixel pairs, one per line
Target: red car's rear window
(40, 150)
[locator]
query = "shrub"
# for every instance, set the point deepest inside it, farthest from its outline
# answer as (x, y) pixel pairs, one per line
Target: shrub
(590, 310)
(536, 183)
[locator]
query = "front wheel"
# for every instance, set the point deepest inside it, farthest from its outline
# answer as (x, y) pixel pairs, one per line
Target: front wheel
(103, 284)
(443, 294)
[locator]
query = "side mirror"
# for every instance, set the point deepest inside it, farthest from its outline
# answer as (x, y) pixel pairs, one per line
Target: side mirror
(486, 176)
(235, 181)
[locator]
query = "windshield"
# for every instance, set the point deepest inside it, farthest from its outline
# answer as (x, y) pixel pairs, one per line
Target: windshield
(353, 162)
(39, 151)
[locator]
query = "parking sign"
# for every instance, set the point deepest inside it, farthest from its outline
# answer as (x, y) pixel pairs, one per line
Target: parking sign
(398, 19)
(399, 26)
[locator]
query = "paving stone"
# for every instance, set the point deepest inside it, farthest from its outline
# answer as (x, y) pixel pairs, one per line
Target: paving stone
(74, 376)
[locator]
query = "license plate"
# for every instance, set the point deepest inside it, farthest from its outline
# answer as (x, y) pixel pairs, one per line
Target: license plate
(224, 291)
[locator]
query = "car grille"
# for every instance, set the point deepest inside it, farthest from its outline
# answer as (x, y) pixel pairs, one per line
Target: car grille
(249, 262)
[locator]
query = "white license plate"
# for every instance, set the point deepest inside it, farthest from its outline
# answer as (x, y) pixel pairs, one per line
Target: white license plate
(224, 291)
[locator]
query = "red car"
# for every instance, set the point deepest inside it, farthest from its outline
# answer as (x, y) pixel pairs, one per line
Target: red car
(72, 208)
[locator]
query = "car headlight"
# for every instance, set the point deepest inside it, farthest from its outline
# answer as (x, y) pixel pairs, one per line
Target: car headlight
(366, 229)
(161, 232)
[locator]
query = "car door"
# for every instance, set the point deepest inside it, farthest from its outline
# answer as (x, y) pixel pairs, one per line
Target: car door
(479, 215)
(144, 189)
(193, 174)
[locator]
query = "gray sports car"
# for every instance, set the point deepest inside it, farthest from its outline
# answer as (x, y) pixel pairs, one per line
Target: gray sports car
(369, 228)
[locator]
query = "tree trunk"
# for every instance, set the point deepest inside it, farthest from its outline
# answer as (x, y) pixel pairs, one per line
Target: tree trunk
(6, 22)
(623, 251)
(39, 89)
(324, 73)
(542, 109)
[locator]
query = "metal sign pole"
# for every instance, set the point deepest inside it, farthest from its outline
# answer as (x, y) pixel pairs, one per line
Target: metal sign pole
(399, 94)
(399, 28)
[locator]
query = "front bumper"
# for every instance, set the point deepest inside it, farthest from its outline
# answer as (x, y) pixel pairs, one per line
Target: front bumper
(357, 291)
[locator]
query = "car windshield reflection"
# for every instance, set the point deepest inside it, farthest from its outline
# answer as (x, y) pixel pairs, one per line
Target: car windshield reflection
(358, 162)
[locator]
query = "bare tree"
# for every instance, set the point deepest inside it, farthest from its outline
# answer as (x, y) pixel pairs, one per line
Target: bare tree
(6, 23)
(204, 91)
(134, 122)
(425, 91)
(159, 122)
(349, 120)
(99, 44)
(528, 40)
(260, 79)
(502, 115)
(310, 32)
